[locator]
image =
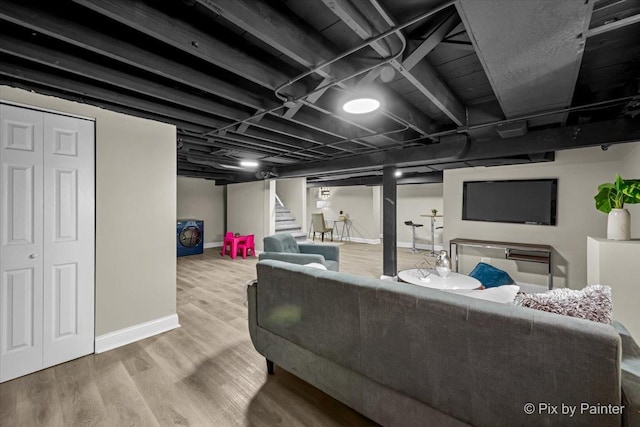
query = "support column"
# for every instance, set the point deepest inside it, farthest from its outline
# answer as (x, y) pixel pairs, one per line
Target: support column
(389, 238)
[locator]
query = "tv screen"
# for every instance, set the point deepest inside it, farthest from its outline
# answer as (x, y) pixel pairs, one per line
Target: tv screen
(531, 201)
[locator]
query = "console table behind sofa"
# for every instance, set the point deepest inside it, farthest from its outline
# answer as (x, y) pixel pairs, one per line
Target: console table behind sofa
(515, 251)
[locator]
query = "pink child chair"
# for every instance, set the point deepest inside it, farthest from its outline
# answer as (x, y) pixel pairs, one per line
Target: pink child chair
(228, 240)
(246, 245)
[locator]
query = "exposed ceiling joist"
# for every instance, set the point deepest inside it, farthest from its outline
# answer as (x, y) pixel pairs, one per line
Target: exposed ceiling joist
(83, 89)
(309, 49)
(152, 22)
(83, 68)
(209, 67)
(429, 178)
(205, 175)
(617, 24)
(169, 113)
(311, 99)
(435, 36)
(443, 152)
(92, 40)
(460, 149)
(366, 21)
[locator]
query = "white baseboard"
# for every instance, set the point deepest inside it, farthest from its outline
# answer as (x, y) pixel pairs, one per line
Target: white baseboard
(135, 333)
(363, 240)
(212, 245)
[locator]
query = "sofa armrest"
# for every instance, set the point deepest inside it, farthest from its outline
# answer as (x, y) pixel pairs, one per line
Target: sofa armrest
(630, 377)
(293, 258)
(328, 252)
(252, 306)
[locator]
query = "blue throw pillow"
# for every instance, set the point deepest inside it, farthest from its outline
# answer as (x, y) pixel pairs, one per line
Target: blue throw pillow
(491, 277)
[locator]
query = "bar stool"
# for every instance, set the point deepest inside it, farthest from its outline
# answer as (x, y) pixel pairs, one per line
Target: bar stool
(413, 226)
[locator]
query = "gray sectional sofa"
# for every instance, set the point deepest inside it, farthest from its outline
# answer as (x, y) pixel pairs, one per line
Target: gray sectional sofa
(405, 355)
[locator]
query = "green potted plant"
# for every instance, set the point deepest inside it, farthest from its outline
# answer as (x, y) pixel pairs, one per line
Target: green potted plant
(611, 199)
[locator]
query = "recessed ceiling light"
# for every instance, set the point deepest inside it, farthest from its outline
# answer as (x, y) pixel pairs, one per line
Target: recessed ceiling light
(248, 163)
(398, 173)
(361, 105)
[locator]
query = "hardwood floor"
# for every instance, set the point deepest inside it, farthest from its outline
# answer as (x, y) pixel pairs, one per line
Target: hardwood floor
(205, 373)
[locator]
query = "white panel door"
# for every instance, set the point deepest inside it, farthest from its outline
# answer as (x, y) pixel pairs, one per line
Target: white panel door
(47, 229)
(68, 238)
(21, 241)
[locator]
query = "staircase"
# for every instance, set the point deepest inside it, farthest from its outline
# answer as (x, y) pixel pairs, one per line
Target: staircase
(286, 223)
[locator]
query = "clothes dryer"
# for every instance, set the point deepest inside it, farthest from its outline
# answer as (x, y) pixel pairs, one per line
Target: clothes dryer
(190, 236)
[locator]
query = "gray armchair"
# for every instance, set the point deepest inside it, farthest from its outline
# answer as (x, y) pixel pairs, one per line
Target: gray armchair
(284, 247)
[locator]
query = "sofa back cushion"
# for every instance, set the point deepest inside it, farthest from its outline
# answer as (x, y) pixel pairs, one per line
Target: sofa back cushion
(307, 306)
(283, 242)
(478, 361)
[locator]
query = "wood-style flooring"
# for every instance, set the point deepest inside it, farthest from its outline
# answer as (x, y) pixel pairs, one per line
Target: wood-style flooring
(205, 373)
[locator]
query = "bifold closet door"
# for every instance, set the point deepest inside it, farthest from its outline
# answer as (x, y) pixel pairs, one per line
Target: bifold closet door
(46, 240)
(69, 224)
(21, 237)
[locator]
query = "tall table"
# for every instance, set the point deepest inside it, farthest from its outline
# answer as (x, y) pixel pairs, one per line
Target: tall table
(433, 231)
(346, 228)
(515, 251)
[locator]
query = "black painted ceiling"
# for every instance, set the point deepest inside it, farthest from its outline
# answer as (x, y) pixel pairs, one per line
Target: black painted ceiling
(463, 83)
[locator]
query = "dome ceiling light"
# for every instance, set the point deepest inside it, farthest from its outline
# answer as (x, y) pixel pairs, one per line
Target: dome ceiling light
(361, 105)
(249, 163)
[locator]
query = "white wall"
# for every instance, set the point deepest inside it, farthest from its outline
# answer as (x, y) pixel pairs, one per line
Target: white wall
(613, 263)
(416, 200)
(135, 213)
(356, 201)
(364, 206)
(202, 199)
(579, 173)
(251, 209)
(293, 193)
(631, 170)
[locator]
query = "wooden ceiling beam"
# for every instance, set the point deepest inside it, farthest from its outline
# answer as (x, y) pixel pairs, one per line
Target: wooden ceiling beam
(416, 156)
(80, 36)
(242, 142)
(424, 77)
(173, 32)
(621, 23)
(458, 148)
(87, 90)
(289, 129)
(340, 129)
(305, 46)
(264, 147)
(82, 68)
(426, 178)
(435, 36)
(181, 126)
(310, 99)
(87, 38)
(168, 113)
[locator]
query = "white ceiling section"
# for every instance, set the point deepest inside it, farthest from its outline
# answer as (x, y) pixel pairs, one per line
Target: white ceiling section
(543, 75)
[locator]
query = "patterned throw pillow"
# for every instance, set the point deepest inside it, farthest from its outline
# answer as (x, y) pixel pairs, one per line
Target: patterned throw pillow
(591, 303)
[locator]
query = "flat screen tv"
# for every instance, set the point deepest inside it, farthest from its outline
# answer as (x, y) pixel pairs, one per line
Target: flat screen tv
(529, 201)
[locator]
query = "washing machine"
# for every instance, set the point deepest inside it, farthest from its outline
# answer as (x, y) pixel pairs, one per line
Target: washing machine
(190, 236)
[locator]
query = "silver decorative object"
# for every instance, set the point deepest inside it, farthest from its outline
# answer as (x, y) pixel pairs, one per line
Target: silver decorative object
(443, 264)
